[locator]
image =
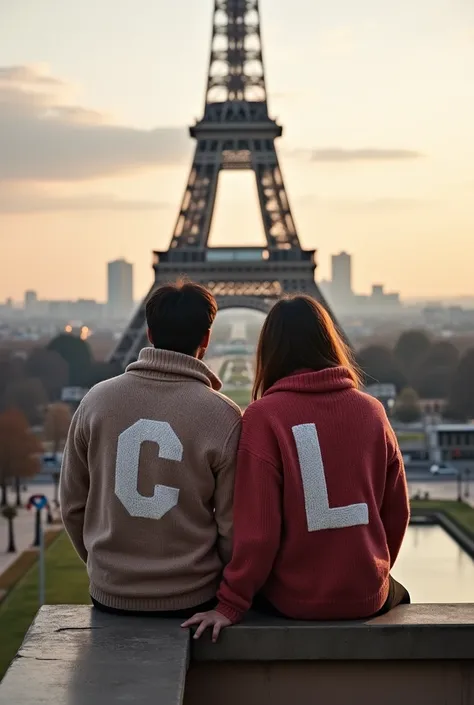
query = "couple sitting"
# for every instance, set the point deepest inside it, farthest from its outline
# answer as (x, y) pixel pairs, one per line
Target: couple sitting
(180, 507)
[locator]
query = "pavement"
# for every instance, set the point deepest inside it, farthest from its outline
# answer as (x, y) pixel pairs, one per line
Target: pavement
(441, 490)
(24, 525)
(422, 482)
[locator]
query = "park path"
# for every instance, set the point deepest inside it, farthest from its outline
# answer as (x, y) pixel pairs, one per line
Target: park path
(24, 525)
(442, 490)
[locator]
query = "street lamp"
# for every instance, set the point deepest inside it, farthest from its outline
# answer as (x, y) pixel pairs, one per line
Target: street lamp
(459, 479)
(9, 513)
(456, 454)
(39, 502)
(467, 491)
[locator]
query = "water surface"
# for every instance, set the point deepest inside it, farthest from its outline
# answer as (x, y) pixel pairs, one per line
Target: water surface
(434, 568)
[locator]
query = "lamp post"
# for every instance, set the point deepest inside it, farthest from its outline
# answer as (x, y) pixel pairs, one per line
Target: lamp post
(9, 513)
(39, 502)
(455, 455)
(467, 490)
(459, 481)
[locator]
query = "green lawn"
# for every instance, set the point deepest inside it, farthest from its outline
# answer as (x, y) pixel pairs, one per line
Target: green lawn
(239, 396)
(66, 583)
(459, 511)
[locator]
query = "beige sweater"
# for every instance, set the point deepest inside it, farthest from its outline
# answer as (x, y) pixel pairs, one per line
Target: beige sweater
(147, 483)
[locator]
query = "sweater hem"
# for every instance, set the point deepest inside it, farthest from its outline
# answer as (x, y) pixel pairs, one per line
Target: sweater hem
(341, 610)
(153, 604)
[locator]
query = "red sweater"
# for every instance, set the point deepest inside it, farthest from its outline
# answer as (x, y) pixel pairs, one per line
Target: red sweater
(321, 504)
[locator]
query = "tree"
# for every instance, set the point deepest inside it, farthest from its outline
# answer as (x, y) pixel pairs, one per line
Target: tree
(410, 349)
(407, 407)
(101, 371)
(380, 367)
(461, 398)
(433, 375)
(49, 367)
(12, 369)
(20, 451)
(56, 427)
(433, 383)
(442, 354)
(29, 396)
(77, 354)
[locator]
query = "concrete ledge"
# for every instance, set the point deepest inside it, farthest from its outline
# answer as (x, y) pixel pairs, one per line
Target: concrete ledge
(410, 632)
(79, 656)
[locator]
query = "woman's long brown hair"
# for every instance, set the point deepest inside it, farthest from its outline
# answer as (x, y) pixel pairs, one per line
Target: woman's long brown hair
(299, 334)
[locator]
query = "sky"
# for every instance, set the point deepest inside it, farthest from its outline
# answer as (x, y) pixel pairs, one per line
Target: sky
(377, 102)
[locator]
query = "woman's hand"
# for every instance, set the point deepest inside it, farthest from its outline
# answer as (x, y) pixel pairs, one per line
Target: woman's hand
(213, 619)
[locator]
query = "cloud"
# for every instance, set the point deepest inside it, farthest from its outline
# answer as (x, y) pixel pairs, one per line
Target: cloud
(367, 154)
(379, 205)
(374, 205)
(45, 136)
(27, 202)
(34, 75)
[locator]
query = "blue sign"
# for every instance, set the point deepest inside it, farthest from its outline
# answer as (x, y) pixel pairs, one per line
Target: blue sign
(39, 501)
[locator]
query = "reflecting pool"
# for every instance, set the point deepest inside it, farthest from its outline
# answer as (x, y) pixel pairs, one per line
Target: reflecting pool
(434, 568)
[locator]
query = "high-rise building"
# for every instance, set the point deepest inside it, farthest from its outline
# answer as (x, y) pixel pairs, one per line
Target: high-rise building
(120, 289)
(341, 285)
(31, 302)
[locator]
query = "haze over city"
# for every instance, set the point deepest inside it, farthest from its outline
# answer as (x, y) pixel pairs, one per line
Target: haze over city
(377, 102)
(279, 446)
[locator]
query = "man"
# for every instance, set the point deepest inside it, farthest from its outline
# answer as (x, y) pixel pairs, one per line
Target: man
(148, 469)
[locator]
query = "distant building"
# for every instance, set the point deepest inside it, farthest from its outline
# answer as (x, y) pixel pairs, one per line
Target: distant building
(87, 309)
(341, 284)
(379, 302)
(120, 289)
(433, 407)
(382, 299)
(31, 303)
(326, 289)
(385, 393)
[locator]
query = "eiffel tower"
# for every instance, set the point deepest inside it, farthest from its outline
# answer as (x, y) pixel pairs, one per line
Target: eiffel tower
(236, 132)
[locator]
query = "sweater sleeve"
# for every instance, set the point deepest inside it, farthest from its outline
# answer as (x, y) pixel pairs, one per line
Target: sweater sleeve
(257, 528)
(224, 493)
(74, 484)
(395, 512)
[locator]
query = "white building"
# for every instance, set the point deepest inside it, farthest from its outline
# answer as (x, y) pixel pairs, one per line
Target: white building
(341, 284)
(120, 289)
(31, 303)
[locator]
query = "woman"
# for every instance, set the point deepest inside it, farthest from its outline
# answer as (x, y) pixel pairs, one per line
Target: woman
(321, 504)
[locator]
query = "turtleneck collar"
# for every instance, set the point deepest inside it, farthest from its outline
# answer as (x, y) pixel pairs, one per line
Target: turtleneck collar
(329, 380)
(173, 366)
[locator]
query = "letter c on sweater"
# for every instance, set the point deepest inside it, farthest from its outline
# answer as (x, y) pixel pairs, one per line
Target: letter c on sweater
(126, 468)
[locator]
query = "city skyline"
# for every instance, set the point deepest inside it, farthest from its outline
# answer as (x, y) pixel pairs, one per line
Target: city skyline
(378, 159)
(337, 277)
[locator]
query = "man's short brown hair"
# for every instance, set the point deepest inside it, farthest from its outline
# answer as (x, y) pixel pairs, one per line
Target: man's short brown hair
(179, 316)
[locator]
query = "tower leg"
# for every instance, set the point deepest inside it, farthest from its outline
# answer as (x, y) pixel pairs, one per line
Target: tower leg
(277, 218)
(197, 207)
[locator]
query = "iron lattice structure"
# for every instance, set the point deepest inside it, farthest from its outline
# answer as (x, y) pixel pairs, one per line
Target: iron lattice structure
(236, 132)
